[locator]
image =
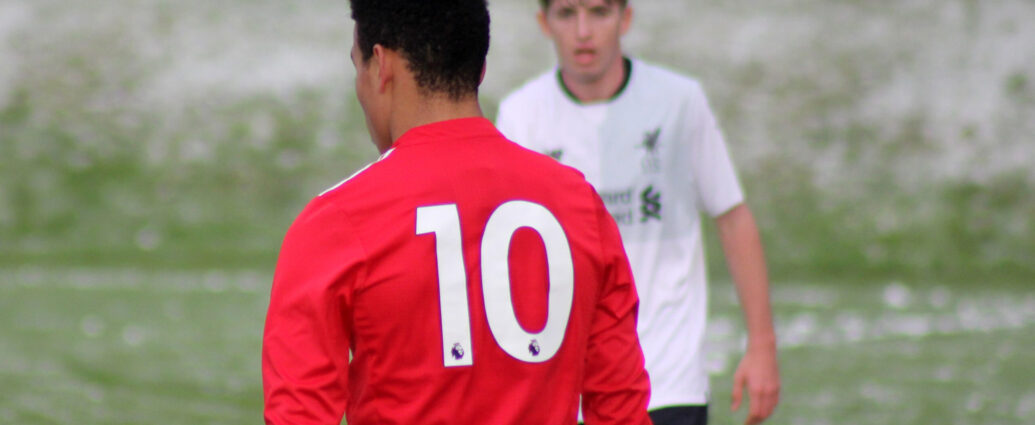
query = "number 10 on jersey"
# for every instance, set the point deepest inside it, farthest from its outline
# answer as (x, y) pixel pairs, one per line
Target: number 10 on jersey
(444, 222)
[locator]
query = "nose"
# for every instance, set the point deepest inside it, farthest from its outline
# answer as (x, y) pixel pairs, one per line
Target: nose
(582, 31)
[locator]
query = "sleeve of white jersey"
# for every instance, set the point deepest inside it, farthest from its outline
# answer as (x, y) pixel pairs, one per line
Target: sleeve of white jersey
(716, 179)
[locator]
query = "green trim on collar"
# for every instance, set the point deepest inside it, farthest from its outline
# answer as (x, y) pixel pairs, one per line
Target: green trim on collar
(626, 64)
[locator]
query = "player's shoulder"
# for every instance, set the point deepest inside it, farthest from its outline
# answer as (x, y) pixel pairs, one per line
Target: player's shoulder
(531, 161)
(662, 79)
(531, 92)
(349, 187)
(332, 206)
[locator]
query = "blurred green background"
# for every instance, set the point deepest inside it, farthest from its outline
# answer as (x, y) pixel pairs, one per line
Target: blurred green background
(153, 152)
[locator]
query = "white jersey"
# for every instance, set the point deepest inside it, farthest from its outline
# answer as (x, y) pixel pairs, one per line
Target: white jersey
(658, 159)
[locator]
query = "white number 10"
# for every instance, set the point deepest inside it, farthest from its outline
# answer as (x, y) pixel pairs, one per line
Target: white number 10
(444, 222)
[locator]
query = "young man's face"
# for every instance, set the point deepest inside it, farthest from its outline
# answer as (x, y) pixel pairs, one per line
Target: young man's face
(586, 34)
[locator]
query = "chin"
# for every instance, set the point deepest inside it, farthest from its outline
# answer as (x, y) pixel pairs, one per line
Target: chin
(587, 74)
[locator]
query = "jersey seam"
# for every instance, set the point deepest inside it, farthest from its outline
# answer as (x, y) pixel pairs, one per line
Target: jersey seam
(346, 218)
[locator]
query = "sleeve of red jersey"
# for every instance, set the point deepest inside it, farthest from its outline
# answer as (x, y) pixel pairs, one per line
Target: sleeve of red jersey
(616, 388)
(305, 348)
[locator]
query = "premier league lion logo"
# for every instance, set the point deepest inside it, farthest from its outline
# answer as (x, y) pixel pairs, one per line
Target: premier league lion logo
(458, 351)
(533, 347)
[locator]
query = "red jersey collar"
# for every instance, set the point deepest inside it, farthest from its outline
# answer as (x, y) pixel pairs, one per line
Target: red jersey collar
(460, 128)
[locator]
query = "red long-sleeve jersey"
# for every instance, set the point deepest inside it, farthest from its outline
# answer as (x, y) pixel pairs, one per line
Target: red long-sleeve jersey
(473, 282)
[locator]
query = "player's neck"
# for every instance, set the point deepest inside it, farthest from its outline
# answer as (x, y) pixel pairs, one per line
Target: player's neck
(423, 110)
(601, 88)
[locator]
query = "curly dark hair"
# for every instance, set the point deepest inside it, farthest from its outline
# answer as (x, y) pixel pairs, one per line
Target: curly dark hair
(545, 4)
(444, 41)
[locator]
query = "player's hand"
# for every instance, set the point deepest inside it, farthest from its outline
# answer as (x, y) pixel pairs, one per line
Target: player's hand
(758, 371)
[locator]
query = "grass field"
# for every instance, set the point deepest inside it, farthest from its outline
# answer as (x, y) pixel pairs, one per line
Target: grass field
(129, 346)
(879, 139)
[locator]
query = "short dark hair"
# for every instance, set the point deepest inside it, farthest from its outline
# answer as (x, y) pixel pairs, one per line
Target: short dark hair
(545, 4)
(444, 41)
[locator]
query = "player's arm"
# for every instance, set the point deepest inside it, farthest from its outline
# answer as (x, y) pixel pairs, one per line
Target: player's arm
(758, 370)
(616, 388)
(722, 197)
(305, 349)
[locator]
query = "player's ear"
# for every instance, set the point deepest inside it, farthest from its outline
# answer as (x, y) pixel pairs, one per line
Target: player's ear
(540, 17)
(627, 16)
(482, 78)
(383, 60)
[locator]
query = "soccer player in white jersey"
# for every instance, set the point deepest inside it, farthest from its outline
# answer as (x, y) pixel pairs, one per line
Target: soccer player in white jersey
(646, 138)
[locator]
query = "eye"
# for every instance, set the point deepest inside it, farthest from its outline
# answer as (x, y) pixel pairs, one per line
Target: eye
(600, 11)
(565, 13)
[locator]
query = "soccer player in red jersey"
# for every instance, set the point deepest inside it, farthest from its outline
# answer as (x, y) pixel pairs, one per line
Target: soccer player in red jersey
(472, 280)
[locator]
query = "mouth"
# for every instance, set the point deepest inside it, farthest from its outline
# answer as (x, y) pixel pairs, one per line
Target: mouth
(584, 56)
